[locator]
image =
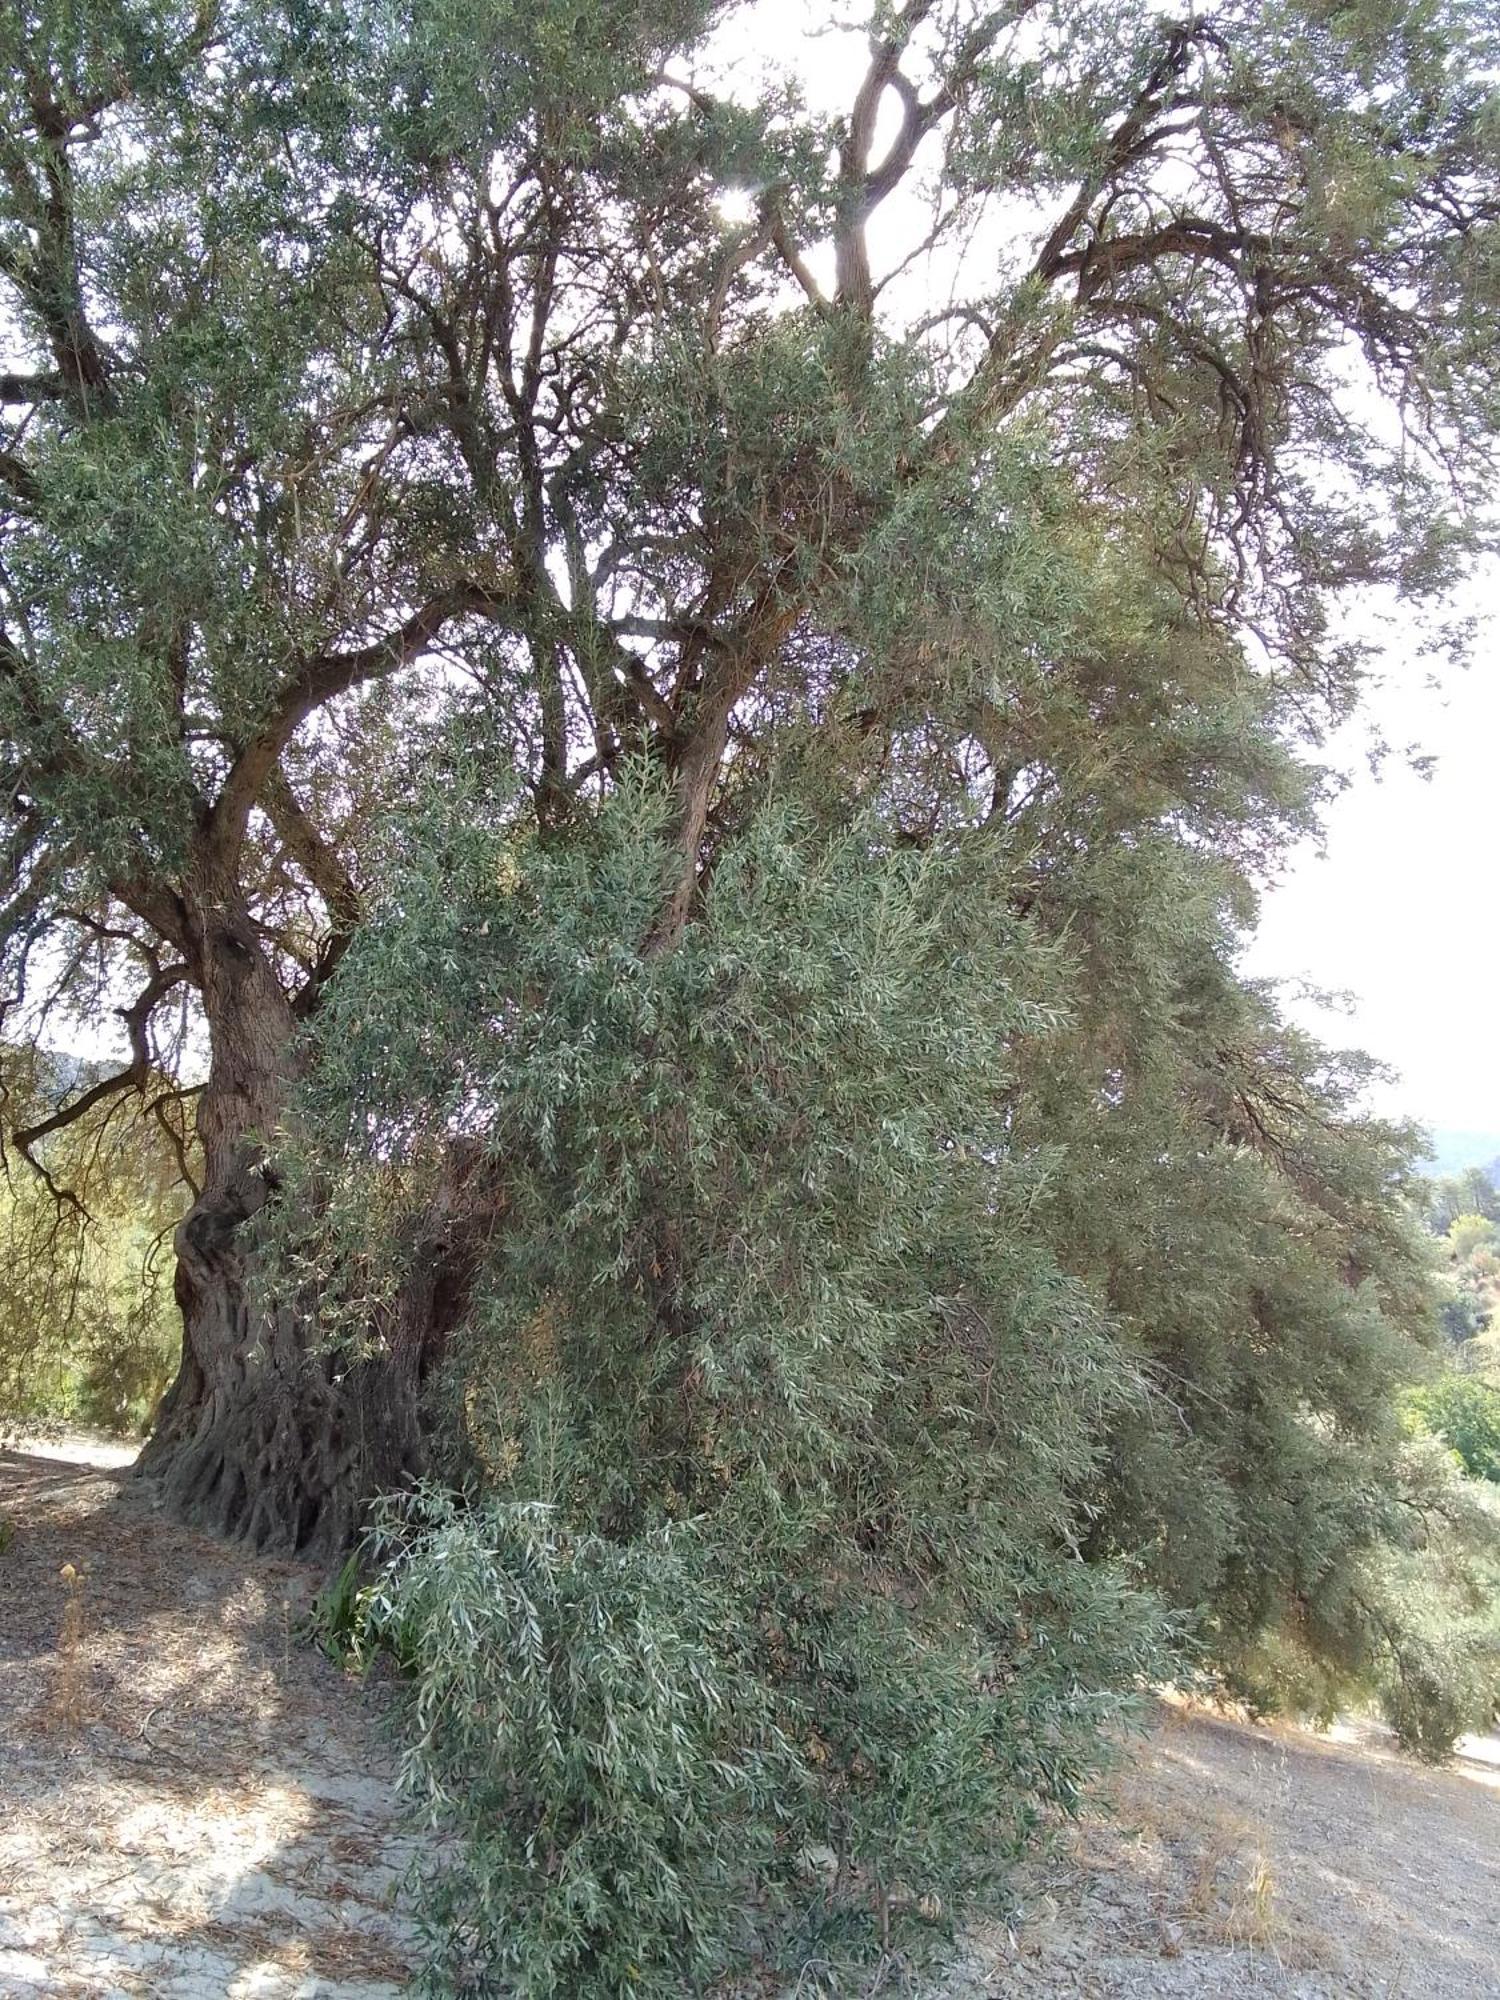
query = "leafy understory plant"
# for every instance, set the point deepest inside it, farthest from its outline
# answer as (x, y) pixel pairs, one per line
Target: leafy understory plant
(770, 1426)
(581, 1718)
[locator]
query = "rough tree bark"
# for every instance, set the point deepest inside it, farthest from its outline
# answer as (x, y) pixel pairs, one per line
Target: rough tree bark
(270, 1435)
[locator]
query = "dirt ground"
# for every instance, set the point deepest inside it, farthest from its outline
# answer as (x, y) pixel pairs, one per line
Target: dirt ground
(1242, 1862)
(195, 1805)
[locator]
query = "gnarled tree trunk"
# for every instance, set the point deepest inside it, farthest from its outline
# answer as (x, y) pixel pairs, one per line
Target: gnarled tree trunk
(270, 1435)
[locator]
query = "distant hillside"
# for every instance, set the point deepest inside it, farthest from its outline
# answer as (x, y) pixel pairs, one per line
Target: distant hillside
(1454, 1152)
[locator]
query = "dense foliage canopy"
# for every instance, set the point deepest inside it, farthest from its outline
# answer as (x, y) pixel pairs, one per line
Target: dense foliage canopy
(694, 690)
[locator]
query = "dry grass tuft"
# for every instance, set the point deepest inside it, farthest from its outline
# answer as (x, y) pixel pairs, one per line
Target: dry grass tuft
(1252, 1918)
(70, 1683)
(1221, 1844)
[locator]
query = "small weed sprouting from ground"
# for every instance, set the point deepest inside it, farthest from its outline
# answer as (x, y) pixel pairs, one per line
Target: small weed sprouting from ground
(343, 1624)
(335, 1623)
(7, 1536)
(1234, 1884)
(69, 1702)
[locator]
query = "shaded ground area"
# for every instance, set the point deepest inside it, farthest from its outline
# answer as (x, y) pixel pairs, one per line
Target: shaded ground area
(193, 1805)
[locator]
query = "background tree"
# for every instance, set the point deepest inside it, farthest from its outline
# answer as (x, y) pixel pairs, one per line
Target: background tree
(1469, 1193)
(88, 1329)
(1460, 1212)
(1465, 1413)
(1468, 1233)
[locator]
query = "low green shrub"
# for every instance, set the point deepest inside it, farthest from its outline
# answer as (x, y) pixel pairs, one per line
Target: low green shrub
(661, 1760)
(339, 1622)
(583, 1718)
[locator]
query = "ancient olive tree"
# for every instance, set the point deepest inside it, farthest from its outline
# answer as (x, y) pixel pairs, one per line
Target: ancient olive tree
(990, 456)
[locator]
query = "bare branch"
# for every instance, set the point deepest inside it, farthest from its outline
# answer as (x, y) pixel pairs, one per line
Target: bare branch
(315, 855)
(69, 1114)
(322, 679)
(134, 1077)
(157, 1109)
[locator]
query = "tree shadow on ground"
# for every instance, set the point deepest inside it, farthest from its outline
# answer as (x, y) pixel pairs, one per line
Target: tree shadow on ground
(195, 1802)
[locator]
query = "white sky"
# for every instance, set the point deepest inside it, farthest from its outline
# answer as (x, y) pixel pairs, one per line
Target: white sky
(1400, 910)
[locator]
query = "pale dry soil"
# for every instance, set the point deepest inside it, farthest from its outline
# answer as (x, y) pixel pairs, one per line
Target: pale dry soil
(1239, 1862)
(194, 1804)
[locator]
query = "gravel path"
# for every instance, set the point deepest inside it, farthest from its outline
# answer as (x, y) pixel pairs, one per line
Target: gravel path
(196, 1806)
